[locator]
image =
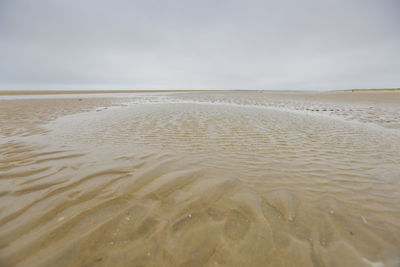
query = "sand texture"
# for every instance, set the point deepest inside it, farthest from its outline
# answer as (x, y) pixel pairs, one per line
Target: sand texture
(201, 179)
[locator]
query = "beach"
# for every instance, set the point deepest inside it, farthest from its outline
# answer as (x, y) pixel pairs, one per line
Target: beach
(213, 178)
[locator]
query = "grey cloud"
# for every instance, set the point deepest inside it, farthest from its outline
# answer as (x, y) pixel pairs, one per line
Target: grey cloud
(220, 44)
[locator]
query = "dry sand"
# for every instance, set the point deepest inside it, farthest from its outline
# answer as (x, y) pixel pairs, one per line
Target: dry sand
(201, 179)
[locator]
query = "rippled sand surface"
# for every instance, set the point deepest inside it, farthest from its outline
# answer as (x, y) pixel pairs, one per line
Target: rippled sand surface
(201, 179)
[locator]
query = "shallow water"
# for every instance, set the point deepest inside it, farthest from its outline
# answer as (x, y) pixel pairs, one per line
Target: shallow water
(233, 179)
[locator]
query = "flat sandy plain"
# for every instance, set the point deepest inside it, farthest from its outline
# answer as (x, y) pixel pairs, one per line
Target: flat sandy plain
(217, 178)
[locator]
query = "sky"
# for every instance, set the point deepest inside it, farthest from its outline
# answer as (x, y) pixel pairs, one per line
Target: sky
(203, 44)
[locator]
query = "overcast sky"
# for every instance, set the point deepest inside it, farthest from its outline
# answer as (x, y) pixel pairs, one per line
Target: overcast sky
(203, 44)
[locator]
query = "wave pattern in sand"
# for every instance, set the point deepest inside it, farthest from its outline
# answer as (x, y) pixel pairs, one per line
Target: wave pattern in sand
(184, 184)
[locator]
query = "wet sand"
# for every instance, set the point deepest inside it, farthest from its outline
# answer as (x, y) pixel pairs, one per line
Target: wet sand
(201, 179)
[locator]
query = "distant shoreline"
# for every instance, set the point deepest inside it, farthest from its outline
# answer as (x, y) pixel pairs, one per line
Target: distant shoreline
(71, 92)
(368, 90)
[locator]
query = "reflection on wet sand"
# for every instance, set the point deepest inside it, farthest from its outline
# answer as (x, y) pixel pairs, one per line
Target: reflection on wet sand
(201, 179)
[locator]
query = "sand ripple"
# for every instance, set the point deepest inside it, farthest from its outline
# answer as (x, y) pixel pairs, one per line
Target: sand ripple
(200, 183)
